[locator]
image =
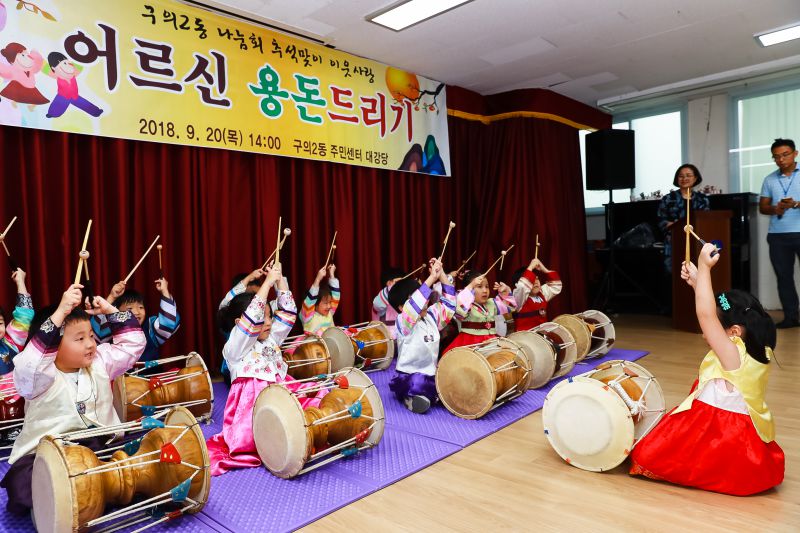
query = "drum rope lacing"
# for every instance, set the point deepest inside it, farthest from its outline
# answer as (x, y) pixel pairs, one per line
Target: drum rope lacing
(327, 383)
(145, 504)
(186, 403)
(146, 365)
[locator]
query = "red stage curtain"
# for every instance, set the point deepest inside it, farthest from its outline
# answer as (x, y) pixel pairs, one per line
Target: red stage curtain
(217, 212)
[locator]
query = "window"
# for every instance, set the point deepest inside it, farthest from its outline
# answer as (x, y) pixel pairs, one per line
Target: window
(658, 152)
(760, 120)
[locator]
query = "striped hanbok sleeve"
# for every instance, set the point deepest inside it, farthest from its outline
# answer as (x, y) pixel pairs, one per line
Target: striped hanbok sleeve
(284, 317)
(163, 326)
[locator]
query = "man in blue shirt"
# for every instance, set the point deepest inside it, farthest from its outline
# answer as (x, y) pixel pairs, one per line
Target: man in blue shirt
(780, 198)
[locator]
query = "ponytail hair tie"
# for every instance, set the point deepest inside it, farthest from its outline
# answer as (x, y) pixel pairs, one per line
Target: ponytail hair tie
(723, 302)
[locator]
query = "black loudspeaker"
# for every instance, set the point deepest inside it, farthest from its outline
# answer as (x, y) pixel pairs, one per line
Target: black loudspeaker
(610, 160)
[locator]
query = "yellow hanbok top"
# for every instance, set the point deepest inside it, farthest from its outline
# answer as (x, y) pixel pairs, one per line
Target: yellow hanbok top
(750, 379)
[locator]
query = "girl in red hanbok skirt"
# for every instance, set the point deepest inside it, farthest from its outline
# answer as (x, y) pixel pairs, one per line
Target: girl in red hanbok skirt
(721, 438)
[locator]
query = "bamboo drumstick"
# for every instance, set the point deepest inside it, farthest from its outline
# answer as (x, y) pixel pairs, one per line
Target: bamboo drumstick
(464, 263)
(278, 242)
(686, 228)
(286, 233)
(142, 259)
(690, 230)
(333, 246)
(413, 272)
(81, 257)
(502, 255)
(536, 253)
(3, 235)
(444, 246)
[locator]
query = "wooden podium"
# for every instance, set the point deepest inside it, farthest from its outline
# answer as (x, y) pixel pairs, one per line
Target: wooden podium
(710, 226)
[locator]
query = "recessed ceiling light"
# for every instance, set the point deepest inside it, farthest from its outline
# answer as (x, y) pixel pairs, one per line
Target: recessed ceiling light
(401, 15)
(779, 35)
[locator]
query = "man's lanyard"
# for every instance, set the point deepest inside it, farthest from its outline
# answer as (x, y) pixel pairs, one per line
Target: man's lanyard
(791, 181)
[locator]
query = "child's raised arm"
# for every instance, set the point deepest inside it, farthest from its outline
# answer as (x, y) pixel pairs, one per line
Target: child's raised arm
(127, 342)
(17, 329)
(310, 301)
(34, 367)
(706, 307)
(333, 283)
(163, 326)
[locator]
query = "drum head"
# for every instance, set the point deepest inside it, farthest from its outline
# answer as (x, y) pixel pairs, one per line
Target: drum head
(588, 424)
(465, 383)
(541, 353)
(340, 348)
(53, 503)
(652, 397)
(279, 431)
(120, 397)
(181, 416)
(358, 378)
(380, 326)
(579, 332)
(603, 336)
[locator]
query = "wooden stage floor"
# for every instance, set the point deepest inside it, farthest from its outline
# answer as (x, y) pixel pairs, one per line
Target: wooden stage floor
(513, 481)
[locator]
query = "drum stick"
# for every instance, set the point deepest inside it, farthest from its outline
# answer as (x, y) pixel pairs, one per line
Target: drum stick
(413, 272)
(6, 247)
(686, 228)
(502, 255)
(286, 233)
(81, 256)
(3, 235)
(278, 242)
(142, 259)
(330, 252)
(444, 246)
(160, 268)
(690, 230)
(464, 263)
(536, 253)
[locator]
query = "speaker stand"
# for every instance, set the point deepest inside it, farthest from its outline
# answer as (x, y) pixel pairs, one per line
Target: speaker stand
(606, 293)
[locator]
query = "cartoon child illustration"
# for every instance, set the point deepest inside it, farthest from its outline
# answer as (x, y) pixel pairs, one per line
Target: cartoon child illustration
(21, 70)
(65, 71)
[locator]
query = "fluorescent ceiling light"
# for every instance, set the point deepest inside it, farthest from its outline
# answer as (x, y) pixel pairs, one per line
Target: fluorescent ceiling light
(400, 16)
(780, 35)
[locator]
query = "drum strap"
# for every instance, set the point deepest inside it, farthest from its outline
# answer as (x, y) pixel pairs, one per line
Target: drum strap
(477, 325)
(529, 314)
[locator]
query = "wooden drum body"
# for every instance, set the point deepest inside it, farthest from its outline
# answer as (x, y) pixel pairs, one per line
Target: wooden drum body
(72, 485)
(307, 357)
(472, 380)
(12, 413)
(137, 395)
(373, 346)
(594, 420)
(291, 441)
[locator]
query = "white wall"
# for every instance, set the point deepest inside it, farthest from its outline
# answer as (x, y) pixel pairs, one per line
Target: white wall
(707, 132)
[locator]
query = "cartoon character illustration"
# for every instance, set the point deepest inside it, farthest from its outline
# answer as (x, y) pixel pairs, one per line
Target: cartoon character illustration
(65, 73)
(425, 160)
(21, 70)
